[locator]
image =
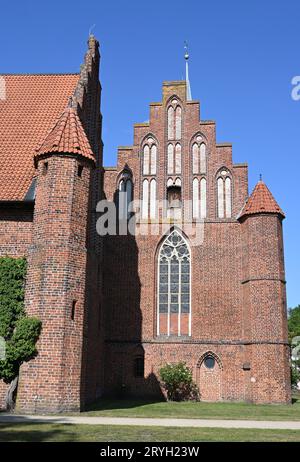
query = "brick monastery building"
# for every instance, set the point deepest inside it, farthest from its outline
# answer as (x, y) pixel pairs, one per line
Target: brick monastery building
(114, 309)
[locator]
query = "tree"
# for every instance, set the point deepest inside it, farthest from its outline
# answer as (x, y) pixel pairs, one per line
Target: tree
(19, 332)
(294, 339)
(294, 322)
(178, 382)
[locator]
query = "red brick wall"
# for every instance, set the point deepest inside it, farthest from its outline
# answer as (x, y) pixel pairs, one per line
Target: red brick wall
(15, 229)
(3, 390)
(65, 264)
(238, 293)
(56, 278)
(238, 289)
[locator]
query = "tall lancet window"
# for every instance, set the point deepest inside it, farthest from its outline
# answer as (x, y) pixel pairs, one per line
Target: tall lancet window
(178, 123)
(153, 198)
(178, 158)
(149, 156)
(145, 199)
(174, 280)
(174, 123)
(125, 195)
(224, 194)
(174, 158)
(199, 198)
(171, 123)
(170, 158)
(199, 156)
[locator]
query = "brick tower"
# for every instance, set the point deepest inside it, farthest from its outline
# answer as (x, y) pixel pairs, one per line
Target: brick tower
(63, 279)
(265, 298)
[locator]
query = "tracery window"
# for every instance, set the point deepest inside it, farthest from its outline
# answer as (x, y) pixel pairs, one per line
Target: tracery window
(174, 267)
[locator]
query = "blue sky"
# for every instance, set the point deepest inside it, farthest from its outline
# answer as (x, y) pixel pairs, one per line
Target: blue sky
(244, 55)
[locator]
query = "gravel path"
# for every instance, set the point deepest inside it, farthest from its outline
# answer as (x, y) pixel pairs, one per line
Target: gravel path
(151, 422)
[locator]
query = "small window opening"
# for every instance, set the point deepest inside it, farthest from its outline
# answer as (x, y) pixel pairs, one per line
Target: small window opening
(139, 366)
(45, 168)
(174, 196)
(73, 309)
(80, 170)
(209, 362)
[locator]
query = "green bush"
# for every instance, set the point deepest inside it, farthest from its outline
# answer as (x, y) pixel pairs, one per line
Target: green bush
(294, 331)
(178, 382)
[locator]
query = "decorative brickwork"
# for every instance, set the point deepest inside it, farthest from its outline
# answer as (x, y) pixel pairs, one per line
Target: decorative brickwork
(108, 304)
(238, 307)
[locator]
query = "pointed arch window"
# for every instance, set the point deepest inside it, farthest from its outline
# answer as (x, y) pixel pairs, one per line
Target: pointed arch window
(228, 197)
(195, 198)
(224, 194)
(174, 158)
(174, 273)
(199, 198)
(125, 190)
(170, 158)
(203, 198)
(178, 123)
(150, 157)
(170, 123)
(178, 158)
(174, 122)
(145, 199)
(153, 155)
(153, 198)
(199, 158)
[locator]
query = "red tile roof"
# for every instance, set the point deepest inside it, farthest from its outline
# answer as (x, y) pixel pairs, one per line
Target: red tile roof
(67, 136)
(28, 108)
(261, 201)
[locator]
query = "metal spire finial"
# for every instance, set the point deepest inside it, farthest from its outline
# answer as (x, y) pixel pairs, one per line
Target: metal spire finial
(188, 87)
(186, 55)
(260, 177)
(91, 28)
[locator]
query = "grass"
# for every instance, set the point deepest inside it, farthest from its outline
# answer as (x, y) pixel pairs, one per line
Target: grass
(28, 432)
(192, 410)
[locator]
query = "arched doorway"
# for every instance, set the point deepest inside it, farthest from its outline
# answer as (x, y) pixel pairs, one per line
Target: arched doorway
(209, 377)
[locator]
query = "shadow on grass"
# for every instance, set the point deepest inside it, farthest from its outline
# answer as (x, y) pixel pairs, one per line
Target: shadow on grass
(110, 404)
(36, 432)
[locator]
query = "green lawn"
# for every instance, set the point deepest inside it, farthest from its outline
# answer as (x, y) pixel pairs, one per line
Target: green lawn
(99, 433)
(192, 410)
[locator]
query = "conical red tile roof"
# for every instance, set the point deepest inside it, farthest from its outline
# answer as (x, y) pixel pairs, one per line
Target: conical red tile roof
(67, 136)
(261, 201)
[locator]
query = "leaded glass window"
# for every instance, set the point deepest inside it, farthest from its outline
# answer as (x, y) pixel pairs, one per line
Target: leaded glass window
(174, 277)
